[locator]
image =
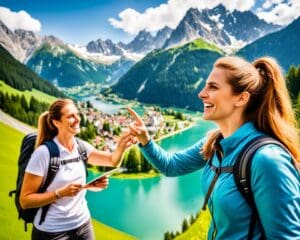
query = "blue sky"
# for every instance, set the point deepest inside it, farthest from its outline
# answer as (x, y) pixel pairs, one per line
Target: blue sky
(80, 21)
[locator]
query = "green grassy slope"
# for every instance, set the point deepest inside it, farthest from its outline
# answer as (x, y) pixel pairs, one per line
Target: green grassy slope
(10, 141)
(12, 228)
(41, 96)
(198, 230)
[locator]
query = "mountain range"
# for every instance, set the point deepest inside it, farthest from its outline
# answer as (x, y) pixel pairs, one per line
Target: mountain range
(221, 27)
(168, 68)
(217, 25)
(174, 77)
(282, 45)
(64, 67)
(170, 77)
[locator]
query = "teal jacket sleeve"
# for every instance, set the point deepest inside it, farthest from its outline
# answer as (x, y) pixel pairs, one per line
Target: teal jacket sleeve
(276, 189)
(174, 164)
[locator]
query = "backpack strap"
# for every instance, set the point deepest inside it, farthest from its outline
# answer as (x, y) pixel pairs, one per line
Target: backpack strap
(83, 153)
(54, 164)
(218, 171)
(242, 175)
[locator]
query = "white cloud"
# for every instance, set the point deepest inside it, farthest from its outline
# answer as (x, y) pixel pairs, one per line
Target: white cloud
(279, 12)
(270, 3)
(19, 20)
(169, 14)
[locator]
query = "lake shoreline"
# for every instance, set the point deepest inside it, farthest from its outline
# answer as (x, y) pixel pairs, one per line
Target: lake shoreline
(152, 174)
(175, 132)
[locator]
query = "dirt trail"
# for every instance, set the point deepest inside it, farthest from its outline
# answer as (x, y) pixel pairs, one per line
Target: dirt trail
(14, 123)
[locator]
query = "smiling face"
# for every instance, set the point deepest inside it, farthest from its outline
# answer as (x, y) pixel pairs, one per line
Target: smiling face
(69, 123)
(220, 102)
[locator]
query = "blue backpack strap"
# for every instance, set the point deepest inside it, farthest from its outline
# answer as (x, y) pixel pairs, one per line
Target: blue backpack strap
(242, 175)
(54, 164)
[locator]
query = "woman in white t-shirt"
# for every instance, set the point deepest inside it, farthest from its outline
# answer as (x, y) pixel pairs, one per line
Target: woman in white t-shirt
(68, 216)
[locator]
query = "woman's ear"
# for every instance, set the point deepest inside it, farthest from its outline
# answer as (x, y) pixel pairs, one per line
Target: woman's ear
(243, 99)
(55, 123)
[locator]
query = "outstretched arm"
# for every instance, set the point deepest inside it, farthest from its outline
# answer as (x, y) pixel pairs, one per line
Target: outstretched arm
(170, 164)
(111, 159)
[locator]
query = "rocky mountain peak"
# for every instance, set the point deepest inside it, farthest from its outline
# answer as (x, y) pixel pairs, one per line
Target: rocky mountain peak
(219, 26)
(20, 43)
(106, 47)
(53, 41)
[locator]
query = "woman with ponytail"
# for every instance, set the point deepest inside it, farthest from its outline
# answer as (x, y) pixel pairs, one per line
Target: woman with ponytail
(245, 101)
(68, 216)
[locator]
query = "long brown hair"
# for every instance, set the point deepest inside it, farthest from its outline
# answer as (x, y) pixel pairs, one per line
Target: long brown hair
(269, 107)
(46, 128)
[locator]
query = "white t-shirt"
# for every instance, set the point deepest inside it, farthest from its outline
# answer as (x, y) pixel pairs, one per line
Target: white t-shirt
(68, 212)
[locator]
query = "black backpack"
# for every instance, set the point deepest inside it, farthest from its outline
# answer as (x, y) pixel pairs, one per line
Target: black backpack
(27, 148)
(242, 175)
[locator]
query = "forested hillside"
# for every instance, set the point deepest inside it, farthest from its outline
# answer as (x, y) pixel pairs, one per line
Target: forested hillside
(170, 78)
(282, 45)
(21, 77)
(58, 64)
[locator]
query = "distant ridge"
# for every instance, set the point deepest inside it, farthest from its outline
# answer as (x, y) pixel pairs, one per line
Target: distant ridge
(283, 45)
(170, 77)
(21, 77)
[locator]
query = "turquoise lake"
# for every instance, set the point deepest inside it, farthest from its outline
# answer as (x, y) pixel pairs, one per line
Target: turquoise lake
(148, 208)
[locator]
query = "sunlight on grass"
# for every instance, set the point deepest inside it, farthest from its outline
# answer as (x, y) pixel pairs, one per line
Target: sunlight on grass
(12, 228)
(43, 97)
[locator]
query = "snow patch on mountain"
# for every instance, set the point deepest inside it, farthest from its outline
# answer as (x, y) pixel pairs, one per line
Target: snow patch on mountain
(142, 87)
(95, 57)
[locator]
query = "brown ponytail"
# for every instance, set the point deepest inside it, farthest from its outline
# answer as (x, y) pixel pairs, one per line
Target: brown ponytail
(46, 128)
(274, 113)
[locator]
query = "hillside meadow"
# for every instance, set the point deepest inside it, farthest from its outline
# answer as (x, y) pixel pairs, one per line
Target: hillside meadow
(11, 227)
(28, 94)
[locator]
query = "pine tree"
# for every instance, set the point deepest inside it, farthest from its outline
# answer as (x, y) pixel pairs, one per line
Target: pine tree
(24, 103)
(293, 81)
(133, 161)
(185, 225)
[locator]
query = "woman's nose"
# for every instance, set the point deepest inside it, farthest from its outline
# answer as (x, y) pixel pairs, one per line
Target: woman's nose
(202, 94)
(78, 118)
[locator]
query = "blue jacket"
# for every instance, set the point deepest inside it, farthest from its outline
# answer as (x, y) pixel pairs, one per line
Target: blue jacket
(274, 182)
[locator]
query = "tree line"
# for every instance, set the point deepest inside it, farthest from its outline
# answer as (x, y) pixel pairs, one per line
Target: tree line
(23, 78)
(135, 162)
(293, 83)
(18, 107)
(184, 226)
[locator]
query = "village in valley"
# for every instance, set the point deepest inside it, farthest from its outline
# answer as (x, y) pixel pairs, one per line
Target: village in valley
(108, 127)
